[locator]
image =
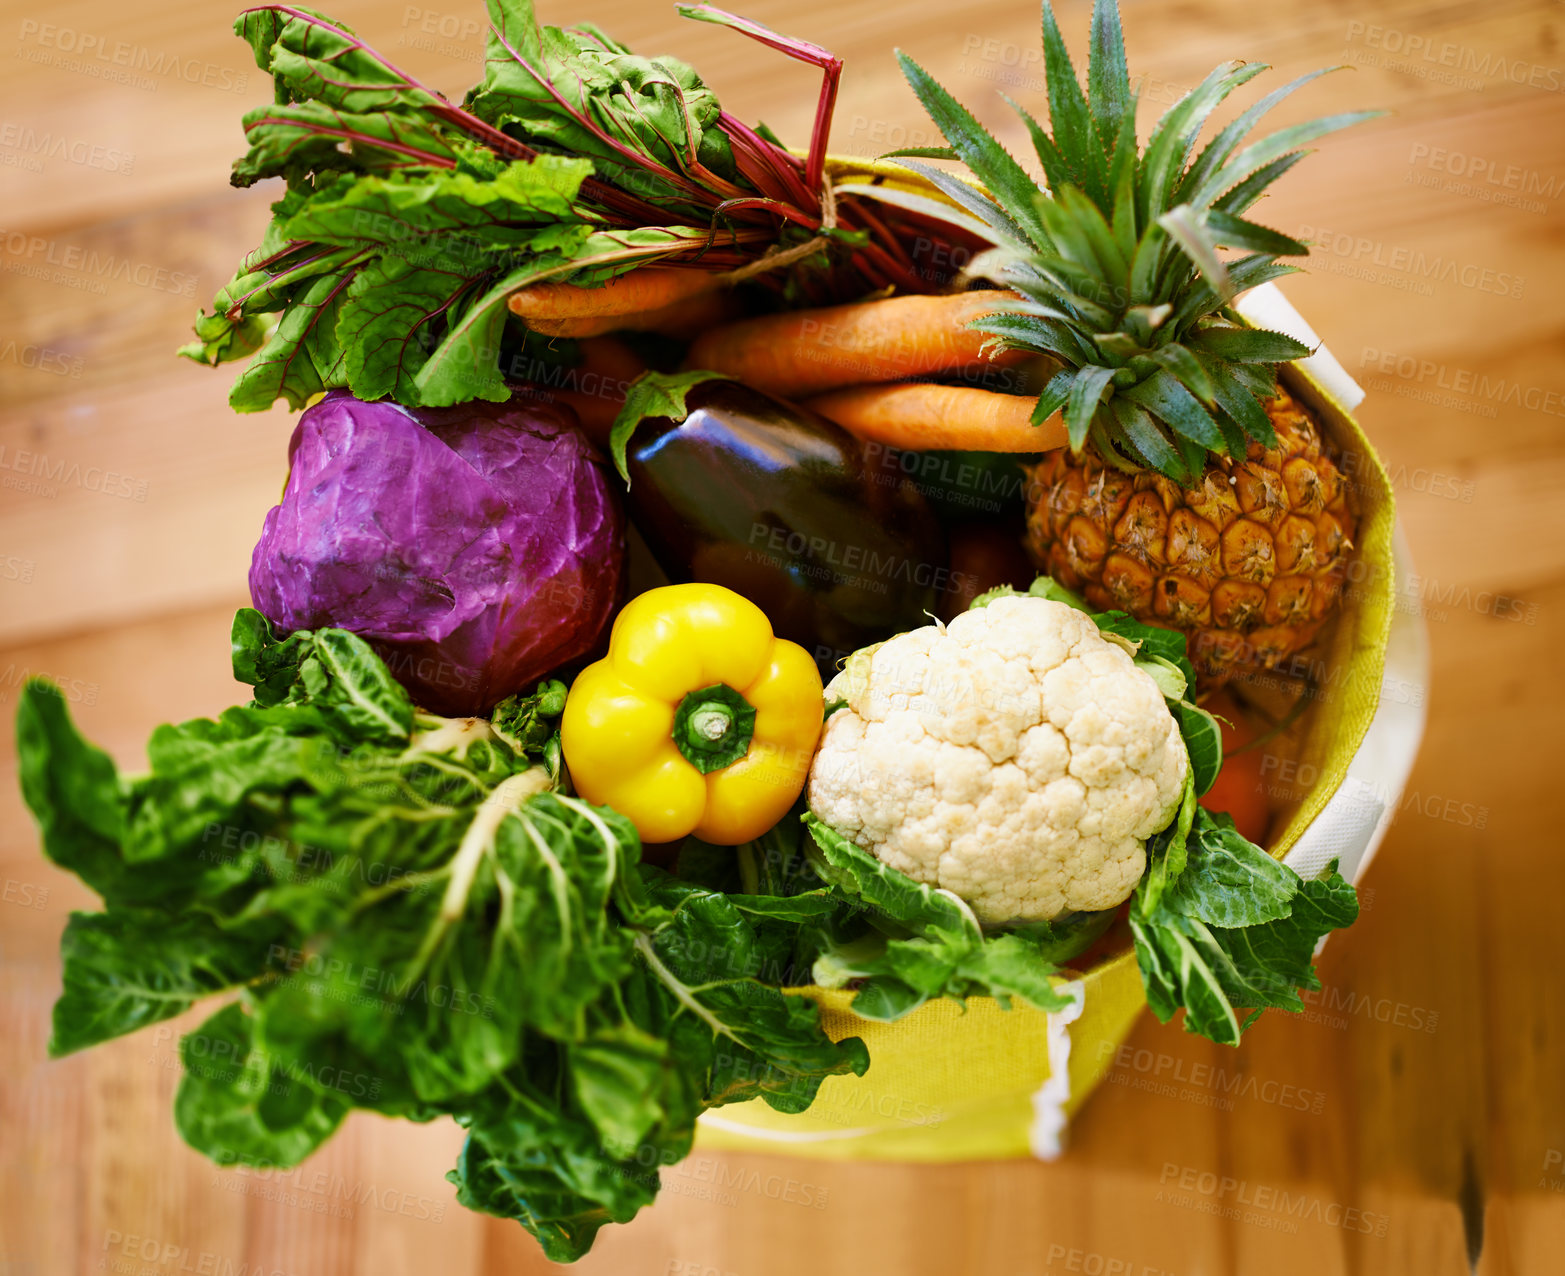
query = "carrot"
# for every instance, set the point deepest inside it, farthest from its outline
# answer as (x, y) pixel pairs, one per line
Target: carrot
(595, 388)
(803, 352)
(683, 318)
(924, 416)
(636, 291)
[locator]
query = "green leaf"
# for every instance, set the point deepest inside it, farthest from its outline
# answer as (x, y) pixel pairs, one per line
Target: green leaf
(1054, 396)
(433, 215)
(1234, 232)
(1245, 273)
(130, 968)
(1173, 139)
(1251, 345)
(1087, 390)
(335, 672)
(1189, 231)
(1168, 851)
(1112, 262)
(286, 366)
(236, 1107)
(530, 723)
(1138, 429)
(1253, 187)
(1150, 640)
(392, 316)
(1057, 171)
(648, 124)
(1108, 79)
(759, 1042)
(997, 224)
(71, 788)
(920, 943)
(1166, 674)
(1147, 264)
(313, 57)
(920, 152)
(1167, 398)
(544, 1165)
(1222, 146)
(1231, 882)
(657, 395)
(465, 364)
(1276, 957)
(1211, 971)
(1176, 958)
(1257, 155)
(1122, 185)
(990, 162)
(1048, 587)
(858, 874)
(1188, 369)
(1014, 965)
(1203, 741)
(1074, 135)
(313, 137)
(615, 1076)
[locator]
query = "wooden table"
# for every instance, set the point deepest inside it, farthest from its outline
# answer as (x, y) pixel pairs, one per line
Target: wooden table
(1438, 1142)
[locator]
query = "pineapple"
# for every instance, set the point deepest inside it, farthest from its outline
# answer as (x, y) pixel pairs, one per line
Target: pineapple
(1195, 493)
(1247, 560)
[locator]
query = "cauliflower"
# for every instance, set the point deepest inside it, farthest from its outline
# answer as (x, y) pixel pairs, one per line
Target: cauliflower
(1016, 757)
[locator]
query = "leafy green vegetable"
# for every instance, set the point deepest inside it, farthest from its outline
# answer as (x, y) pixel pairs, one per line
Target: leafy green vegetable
(1203, 740)
(1230, 881)
(408, 221)
(530, 724)
(182, 960)
(910, 942)
(409, 916)
(1214, 971)
(1168, 851)
(238, 1106)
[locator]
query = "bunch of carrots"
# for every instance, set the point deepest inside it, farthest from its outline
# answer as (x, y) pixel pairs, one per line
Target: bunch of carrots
(862, 365)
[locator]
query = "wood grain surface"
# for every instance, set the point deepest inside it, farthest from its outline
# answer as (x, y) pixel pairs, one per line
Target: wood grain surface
(1419, 1112)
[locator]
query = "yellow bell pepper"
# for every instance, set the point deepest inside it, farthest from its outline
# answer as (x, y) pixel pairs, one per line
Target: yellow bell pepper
(698, 720)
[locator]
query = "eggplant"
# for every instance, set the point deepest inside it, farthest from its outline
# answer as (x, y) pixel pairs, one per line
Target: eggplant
(825, 533)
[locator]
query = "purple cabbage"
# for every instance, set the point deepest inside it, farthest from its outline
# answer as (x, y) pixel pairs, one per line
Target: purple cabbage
(476, 547)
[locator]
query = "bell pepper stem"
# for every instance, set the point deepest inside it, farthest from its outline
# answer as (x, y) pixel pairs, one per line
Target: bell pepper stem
(713, 727)
(712, 721)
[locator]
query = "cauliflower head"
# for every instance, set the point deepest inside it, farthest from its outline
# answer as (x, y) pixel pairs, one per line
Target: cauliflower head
(1015, 757)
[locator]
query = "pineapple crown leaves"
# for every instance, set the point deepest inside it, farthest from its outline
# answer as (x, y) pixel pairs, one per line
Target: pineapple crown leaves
(1117, 268)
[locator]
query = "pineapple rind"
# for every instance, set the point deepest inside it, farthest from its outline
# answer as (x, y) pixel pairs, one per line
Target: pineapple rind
(1248, 560)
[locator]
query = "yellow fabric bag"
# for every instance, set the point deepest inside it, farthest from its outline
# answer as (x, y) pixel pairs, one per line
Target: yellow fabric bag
(955, 1083)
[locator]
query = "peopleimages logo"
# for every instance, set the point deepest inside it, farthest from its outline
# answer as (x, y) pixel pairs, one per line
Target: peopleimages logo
(34, 256)
(1358, 256)
(48, 144)
(1261, 1204)
(119, 61)
(1419, 52)
(1206, 1084)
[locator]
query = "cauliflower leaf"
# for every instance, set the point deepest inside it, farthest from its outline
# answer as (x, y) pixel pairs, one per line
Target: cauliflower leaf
(907, 943)
(1236, 930)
